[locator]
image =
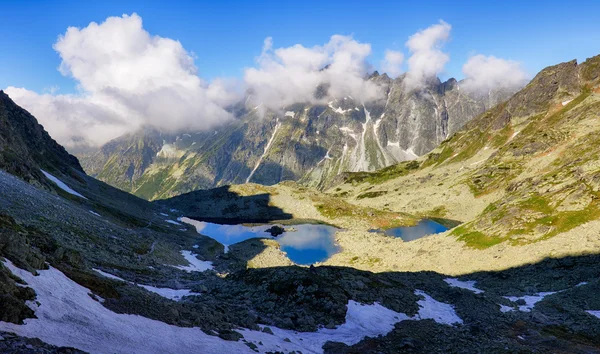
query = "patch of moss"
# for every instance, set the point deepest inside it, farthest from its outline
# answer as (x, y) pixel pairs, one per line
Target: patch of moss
(501, 137)
(536, 203)
(371, 194)
(383, 174)
(475, 239)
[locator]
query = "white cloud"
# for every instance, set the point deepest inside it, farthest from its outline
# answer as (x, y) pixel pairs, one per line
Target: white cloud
(483, 73)
(392, 63)
(75, 120)
(127, 78)
(288, 75)
(427, 59)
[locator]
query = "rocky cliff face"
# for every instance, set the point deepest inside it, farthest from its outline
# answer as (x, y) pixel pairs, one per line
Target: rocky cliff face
(311, 143)
(25, 146)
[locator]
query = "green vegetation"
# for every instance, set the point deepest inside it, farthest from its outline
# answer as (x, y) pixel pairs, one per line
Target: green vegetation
(384, 174)
(501, 137)
(475, 239)
(371, 194)
(334, 208)
(370, 261)
(536, 203)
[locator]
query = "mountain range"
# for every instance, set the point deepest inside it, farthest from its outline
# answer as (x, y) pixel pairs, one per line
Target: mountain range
(311, 143)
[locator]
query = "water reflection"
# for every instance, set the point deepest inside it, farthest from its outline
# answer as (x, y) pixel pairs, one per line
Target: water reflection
(423, 228)
(304, 244)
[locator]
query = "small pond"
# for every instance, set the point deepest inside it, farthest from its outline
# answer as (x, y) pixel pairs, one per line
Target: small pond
(304, 243)
(425, 227)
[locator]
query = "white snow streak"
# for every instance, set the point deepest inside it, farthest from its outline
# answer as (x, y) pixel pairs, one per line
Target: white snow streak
(62, 185)
(172, 294)
(468, 284)
(290, 114)
(530, 300)
(277, 125)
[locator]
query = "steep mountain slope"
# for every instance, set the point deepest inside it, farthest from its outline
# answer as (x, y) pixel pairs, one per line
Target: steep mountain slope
(523, 172)
(306, 142)
(25, 146)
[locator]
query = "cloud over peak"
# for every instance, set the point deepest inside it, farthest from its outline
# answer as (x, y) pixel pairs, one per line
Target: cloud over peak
(483, 73)
(291, 74)
(128, 78)
(427, 59)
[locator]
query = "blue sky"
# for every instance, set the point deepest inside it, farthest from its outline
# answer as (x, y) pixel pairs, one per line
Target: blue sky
(226, 36)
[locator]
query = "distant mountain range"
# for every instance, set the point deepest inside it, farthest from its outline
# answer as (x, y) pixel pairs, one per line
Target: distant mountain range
(311, 143)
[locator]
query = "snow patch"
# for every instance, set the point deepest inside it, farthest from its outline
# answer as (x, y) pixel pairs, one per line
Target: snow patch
(290, 114)
(62, 185)
(94, 213)
(108, 275)
(440, 312)
(172, 294)
(361, 320)
(338, 109)
(467, 284)
(195, 265)
(173, 222)
(68, 316)
(564, 103)
(530, 300)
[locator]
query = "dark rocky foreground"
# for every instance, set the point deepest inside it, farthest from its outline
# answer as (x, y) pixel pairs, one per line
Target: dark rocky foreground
(11, 343)
(296, 298)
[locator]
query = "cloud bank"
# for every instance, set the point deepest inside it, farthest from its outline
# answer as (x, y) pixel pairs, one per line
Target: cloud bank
(127, 78)
(483, 73)
(288, 75)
